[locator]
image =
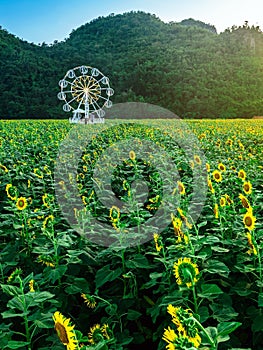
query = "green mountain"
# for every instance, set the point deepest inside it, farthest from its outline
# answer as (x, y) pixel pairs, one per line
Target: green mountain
(185, 67)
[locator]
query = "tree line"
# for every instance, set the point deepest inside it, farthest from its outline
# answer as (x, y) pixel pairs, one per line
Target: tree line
(186, 67)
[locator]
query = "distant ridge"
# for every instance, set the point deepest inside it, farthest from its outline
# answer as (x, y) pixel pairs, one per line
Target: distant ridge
(186, 67)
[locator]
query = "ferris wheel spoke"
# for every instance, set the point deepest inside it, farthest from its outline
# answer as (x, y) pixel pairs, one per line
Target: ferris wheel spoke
(80, 103)
(78, 91)
(94, 83)
(97, 105)
(95, 87)
(73, 99)
(82, 84)
(95, 108)
(70, 82)
(102, 78)
(89, 82)
(102, 97)
(67, 92)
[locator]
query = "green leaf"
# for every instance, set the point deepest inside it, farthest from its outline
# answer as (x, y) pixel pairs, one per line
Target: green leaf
(44, 323)
(73, 289)
(260, 299)
(111, 309)
(16, 303)
(10, 290)
(257, 325)
(223, 312)
(210, 291)
(202, 224)
(219, 249)
(13, 344)
(203, 313)
(138, 261)
(217, 267)
(133, 315)
(105, 275)
(79, 285)
(221, 339)
(34, 299)
(225, 328)
(10, 313)
(212, 332)
(55, 274)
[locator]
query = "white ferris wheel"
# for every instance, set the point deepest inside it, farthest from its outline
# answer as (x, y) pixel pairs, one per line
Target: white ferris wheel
(86, 92)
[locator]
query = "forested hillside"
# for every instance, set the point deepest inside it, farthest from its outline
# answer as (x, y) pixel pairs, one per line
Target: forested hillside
(185, 67)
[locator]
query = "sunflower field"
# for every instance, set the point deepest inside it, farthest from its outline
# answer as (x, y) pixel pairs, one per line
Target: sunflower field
(181, 270)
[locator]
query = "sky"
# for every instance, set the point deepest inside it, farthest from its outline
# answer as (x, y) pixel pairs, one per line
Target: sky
(41, 21)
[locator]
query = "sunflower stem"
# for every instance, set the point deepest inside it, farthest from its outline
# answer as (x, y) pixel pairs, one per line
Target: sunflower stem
(195, 298)
(28, 338)
(193, 290)
(211, 341)
(259, 266)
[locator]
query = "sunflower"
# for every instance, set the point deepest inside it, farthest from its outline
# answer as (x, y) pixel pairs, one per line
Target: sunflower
(21, 203)
(241, 146)
(65, 331)
(177, 318)
(221, 167)
(169, 335)
(89, 300)
(38, 173)
(210, 185)
(11, 191)
(46, 260)
(197, 159)
(4, 168)
(228, 199)
(217, 176)
(208, 168)
(105, 329)
(185, 325)
(47, 199)
(14, 274)
(177, 224)
(185, 272)
(249, 220)
(31, 286)
(242, 174)
(216, 211)
(247, 187)
(244, 201)
(184, 218)
(47, 220)
(251, 244)
(132, 155)
(95, 334)
(114, 213)
(229, 142)
(222, 202)
(157, 240)
(47, 170)
(181, 187)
